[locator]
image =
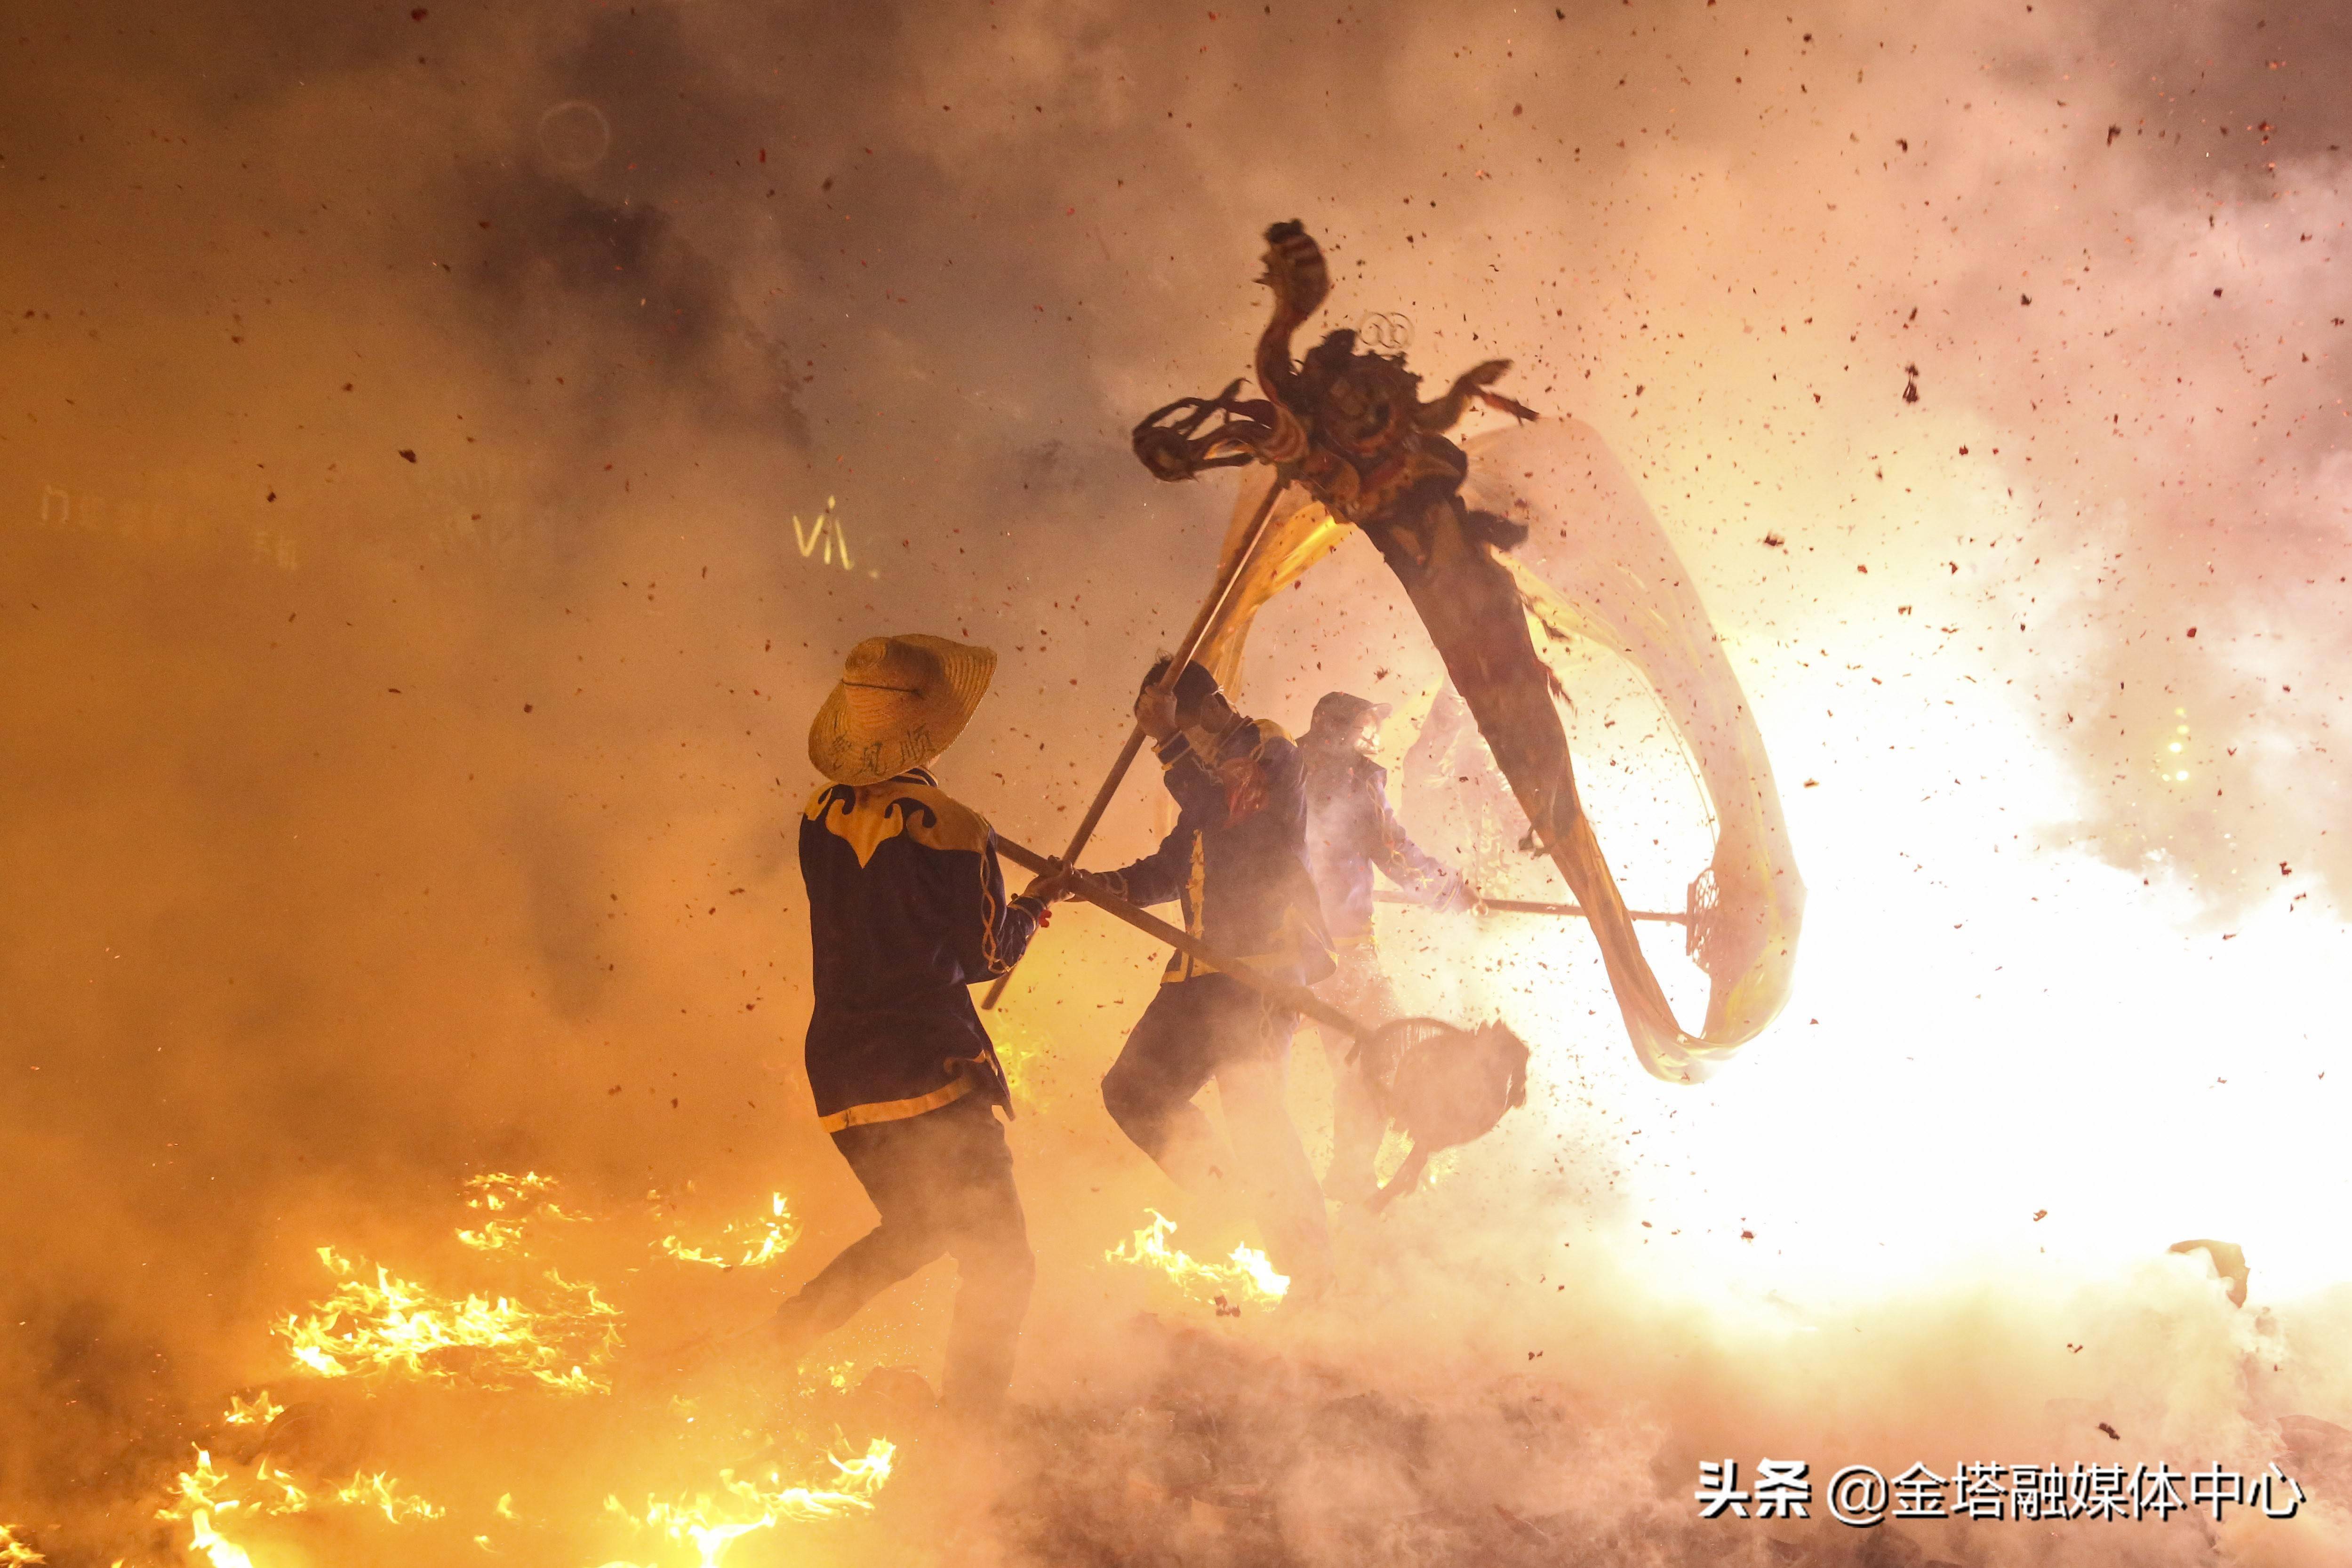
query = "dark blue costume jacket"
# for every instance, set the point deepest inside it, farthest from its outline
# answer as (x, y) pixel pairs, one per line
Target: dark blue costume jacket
(1236, 857)
(906, 907)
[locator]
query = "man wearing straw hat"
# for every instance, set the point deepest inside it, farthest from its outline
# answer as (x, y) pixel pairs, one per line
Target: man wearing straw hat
(1236, 861)
(1352, 832)
(907, 909)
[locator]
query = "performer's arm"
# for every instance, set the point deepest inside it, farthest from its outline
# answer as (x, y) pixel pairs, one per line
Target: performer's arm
(1410, 867)
(1159, 877)
(989, 931)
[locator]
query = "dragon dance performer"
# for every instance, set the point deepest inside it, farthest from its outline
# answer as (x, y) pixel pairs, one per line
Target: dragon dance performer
(1235, 859)
(907, 909)
(1352, 832)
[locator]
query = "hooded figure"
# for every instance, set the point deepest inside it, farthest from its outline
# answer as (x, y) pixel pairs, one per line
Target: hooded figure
(1352, 832)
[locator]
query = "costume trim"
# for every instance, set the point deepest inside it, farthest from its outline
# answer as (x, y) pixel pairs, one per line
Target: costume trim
(897, 1110)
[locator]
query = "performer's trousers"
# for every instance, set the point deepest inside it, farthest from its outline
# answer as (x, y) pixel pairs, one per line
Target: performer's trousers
(942, 1183)
(1358, 1118)
(1213, 1026)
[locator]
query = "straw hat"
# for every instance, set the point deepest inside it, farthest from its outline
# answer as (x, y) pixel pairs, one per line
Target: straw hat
(900, 703)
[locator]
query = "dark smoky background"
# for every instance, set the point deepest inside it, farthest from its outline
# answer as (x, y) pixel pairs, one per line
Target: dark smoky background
(445, 451)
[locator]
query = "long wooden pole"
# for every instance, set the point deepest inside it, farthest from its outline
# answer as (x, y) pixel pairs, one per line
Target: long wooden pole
(1297, 998)
(1534, 907)
(1212, 611)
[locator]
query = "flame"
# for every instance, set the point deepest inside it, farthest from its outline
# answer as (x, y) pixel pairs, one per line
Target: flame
(713, 1521)
(223, 1553)
(203, 1491)
(755, 1242)
(199, 1493)
(495, 1194)
(495, 1190)
(395, 1324)
(198, 1490)
(261, 1412)
(1246, 1273)
(15, 1554)
(560, 1336)
(381, 1491)
(496, 1236)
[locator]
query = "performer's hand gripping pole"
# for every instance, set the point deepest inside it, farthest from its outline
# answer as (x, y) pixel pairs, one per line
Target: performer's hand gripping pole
(1212, 611)
(1297, 998)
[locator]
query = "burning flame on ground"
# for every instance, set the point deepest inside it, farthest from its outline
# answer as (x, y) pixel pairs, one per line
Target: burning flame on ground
(713, 1521)
(206, 1493)
(1246, 1274)
(755, 1242)
(200, 1491)
(496, 1194)
(225, 1554)
(381, 1491)
(15, 1554)
(260, 1411)
(395, 1324)
(376, 1322)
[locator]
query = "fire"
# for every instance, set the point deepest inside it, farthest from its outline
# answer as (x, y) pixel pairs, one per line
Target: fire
(713, 1521)
(199, 1493)
(206, 1493)
(503, 1199)
(753, 1242)
(560, 1336)
(1246, 1273)
(15, 1554)
(260, 1412)
(223, 1553)
(381, 1491)
(395, 1324)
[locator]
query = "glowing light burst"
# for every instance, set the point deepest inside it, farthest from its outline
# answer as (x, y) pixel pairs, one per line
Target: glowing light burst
(1246, 1273)
(15, 1554)
(394, 1325)
(745, 1244)
(712, 1521)
(2168, 765)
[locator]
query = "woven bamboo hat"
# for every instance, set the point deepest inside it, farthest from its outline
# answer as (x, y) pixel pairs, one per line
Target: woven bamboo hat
(900, 703)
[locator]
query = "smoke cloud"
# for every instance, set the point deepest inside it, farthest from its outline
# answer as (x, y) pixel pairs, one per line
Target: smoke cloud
(445, 450)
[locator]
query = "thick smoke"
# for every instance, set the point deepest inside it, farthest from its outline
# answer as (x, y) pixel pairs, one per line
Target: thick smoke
(417, 426)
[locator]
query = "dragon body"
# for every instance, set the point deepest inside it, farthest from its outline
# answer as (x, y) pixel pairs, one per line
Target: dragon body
(1349, 428)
